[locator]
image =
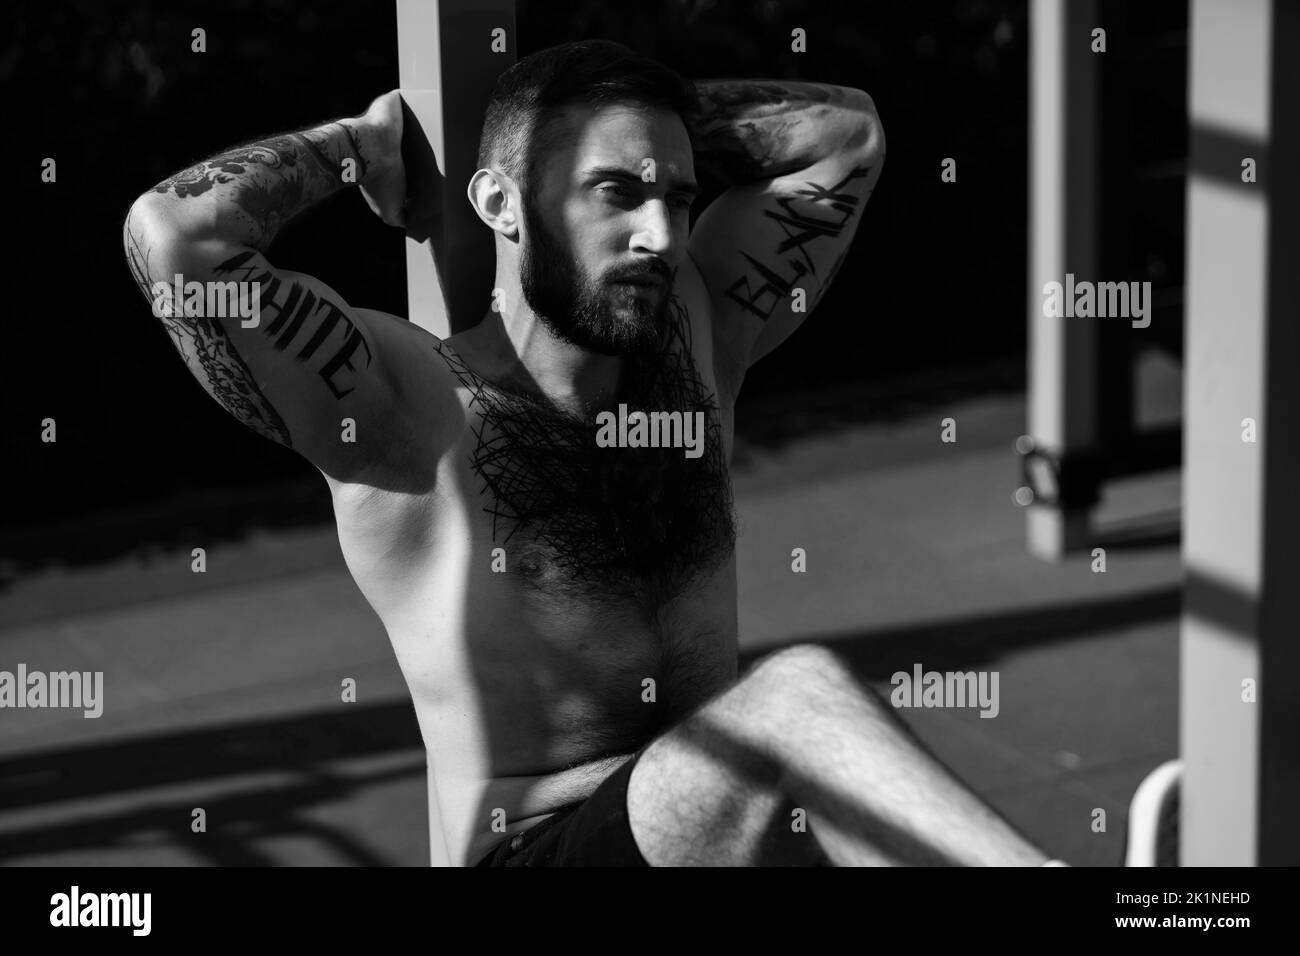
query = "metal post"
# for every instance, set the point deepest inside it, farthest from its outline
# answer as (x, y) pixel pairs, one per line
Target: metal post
(1064, 220)
(1241, 621)
(447, 66)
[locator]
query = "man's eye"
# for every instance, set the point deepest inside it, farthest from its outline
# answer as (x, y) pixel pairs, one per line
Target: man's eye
(622, 192)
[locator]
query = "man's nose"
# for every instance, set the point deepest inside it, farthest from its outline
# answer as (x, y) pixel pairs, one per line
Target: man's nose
(654, 230)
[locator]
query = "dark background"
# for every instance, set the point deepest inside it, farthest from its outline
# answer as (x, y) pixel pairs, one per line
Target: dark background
(931, 299)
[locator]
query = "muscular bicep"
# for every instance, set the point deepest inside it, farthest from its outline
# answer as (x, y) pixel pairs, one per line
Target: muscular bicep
(280, 351)
(769, 250)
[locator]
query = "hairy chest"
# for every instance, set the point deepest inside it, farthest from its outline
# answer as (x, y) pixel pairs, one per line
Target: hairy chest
(629, 507)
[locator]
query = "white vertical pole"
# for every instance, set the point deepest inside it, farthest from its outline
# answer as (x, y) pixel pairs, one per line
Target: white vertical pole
(1241, 623)
(447, 66)
(1064, 216)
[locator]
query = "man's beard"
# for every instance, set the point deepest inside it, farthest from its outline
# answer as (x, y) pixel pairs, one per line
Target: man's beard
(598, 316)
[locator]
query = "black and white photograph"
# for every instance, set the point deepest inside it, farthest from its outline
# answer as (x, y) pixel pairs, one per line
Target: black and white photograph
(680, 433)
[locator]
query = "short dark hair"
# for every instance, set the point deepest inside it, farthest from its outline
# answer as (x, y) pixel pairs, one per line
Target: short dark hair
(531, 95)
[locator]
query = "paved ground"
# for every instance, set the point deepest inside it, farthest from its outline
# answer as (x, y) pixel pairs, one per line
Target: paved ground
(223, 688)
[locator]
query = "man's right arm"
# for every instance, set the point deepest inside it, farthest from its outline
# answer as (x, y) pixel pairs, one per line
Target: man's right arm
(307, 361)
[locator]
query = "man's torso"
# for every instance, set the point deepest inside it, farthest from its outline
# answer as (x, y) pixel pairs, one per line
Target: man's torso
(553, 604)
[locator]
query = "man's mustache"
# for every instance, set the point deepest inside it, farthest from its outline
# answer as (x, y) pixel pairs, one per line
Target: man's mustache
(643, 273)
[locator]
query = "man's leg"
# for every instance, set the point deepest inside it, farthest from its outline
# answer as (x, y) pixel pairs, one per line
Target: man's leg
(799, 732)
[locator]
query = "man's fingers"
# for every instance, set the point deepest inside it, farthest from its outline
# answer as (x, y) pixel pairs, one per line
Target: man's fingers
(390, 213)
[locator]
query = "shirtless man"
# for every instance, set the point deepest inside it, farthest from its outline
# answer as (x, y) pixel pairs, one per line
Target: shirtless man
(564, 611)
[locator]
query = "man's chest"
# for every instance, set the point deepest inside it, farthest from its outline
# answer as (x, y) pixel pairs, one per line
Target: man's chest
(632, 504)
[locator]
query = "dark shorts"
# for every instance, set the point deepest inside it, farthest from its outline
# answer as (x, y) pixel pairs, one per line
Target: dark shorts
(596, 832)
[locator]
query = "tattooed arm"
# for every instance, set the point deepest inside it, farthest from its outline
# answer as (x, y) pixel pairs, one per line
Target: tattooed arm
(307, 360)
(800, 161)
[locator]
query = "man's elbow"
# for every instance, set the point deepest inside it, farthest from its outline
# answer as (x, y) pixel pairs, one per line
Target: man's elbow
(867, 136)
(156, 247)
(174, 222)
(150, 211)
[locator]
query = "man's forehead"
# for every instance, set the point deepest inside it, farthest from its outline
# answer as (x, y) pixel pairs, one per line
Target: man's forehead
(623, 135)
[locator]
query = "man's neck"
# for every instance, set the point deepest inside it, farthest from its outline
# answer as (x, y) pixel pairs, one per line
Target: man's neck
(519, 350)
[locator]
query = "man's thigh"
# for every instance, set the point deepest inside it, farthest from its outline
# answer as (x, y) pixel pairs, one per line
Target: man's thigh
(600, 832)
(706, 792)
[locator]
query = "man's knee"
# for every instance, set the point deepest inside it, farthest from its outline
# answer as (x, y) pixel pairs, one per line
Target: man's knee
(800, 667)
(774, 698)
(768, 715)
(800, 684)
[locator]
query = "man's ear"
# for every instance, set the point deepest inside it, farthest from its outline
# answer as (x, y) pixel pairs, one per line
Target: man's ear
(495, 198)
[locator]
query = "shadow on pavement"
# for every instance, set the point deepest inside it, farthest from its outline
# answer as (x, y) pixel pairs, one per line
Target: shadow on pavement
(305, 744)
(952, 645)
(301, 744)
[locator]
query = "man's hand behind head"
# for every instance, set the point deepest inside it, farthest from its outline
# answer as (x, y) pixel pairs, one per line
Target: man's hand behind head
(378, 135)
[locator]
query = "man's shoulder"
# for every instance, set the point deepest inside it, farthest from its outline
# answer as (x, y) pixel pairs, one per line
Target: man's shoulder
(419, 413)
(411, 354)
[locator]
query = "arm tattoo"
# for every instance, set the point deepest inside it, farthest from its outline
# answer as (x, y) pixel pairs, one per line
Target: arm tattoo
(260, 186)
(299, 308)
(362, 165)
(250, 192)
(812, 213)
(209, 353)
(213, 360)
(137, 258)
(748, 130)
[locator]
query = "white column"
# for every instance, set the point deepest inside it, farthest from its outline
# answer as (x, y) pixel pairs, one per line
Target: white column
(1241, 622)
(1064, 168)
(446, 70)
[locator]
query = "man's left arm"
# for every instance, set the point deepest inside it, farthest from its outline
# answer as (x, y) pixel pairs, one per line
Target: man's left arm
(799, 160)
